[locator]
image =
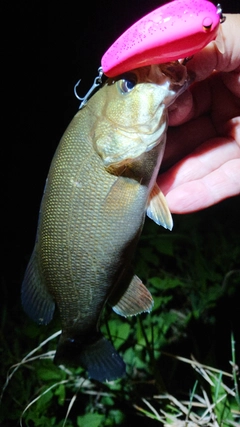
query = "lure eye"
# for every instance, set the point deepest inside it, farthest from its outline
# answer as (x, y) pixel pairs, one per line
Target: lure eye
(207, 25)
(126, 85)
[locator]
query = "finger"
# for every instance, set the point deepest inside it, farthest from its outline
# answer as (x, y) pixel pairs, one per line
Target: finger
(208, 96)
(181, 109)
(202, 65)
(232, 81)
(226, 59)
(207, 191)
(183, 139)
(191, 103)
(206, 158)
(215, 111)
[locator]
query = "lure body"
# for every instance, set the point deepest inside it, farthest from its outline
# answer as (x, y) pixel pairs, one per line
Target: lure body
(173, 31)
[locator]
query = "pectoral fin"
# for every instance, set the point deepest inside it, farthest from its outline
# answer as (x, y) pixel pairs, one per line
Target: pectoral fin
(36, 300)
(136, 299)
(158, 209)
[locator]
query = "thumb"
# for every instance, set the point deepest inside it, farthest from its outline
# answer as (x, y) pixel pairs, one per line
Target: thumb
(226, 58)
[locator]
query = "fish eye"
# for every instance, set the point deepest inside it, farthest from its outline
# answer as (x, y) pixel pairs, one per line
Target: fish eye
(126, 85)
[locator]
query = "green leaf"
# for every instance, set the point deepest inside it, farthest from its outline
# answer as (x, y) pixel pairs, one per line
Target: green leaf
(221, 400)
(90, 420)
(43, 401)
(133, 358)
(165, 283)
(61, 393)
(115, 418)
(164, 245)
(51, 373)
(119, 331)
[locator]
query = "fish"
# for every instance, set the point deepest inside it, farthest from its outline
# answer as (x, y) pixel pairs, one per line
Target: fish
(175, 30)
(101, 184)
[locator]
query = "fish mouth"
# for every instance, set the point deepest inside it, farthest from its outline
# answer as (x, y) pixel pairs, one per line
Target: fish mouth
(173, 83)
(127, 142)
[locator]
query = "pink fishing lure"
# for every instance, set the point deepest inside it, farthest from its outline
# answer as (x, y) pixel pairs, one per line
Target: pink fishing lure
(173, 31)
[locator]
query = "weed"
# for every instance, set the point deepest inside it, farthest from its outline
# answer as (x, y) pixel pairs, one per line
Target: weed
(193, 274)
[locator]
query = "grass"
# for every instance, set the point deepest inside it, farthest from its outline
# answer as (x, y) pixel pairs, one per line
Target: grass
(182, 358)
(220, 408)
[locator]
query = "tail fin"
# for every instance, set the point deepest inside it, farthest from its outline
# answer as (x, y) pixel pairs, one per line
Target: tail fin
(99, 358)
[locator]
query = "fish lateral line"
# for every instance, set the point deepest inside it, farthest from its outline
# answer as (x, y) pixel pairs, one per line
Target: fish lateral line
(82, 253)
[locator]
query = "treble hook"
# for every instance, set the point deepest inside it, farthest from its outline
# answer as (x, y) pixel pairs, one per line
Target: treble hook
(220, 13)
(97, 82)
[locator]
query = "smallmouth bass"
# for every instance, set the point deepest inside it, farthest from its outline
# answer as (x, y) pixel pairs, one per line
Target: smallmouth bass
(100, 185)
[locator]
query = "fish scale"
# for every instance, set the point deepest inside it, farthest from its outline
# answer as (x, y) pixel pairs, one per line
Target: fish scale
(93, 209)
(73, 212)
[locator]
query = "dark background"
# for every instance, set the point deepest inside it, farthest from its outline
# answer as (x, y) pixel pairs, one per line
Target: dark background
(50, 50)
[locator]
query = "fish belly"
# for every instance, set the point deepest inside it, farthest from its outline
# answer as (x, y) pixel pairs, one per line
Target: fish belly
(89, 223)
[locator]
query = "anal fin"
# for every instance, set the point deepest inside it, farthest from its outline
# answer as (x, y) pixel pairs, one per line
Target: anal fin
(158, 210)
(136, 299)
(36, 300)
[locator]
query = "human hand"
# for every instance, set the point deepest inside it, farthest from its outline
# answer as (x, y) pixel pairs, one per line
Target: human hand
(202, 159)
